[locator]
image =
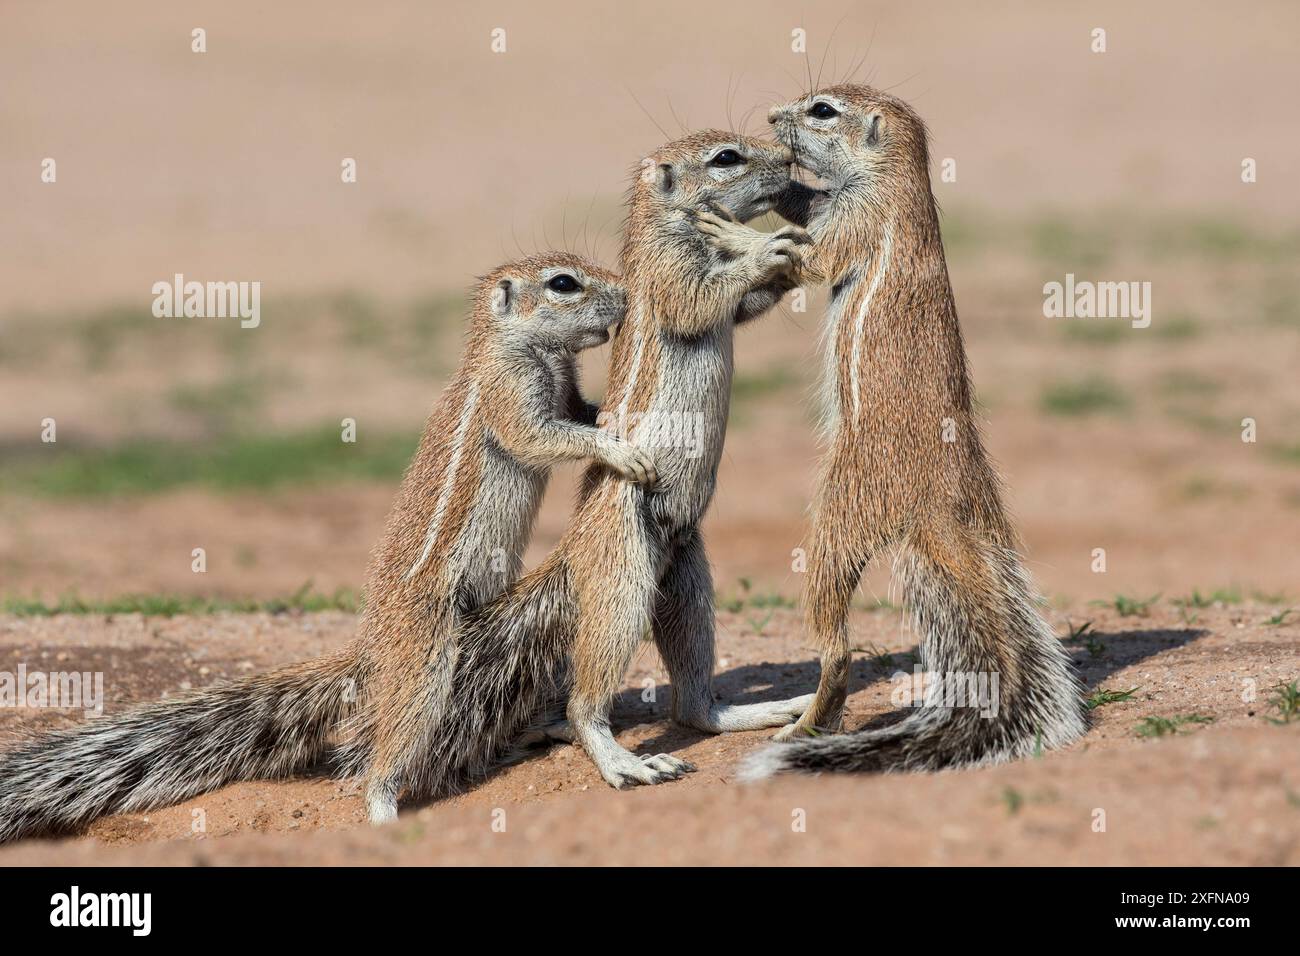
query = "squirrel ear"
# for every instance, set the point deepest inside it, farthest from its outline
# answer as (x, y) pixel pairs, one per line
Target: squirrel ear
(664, 177)
(503, 298)
(875, 123)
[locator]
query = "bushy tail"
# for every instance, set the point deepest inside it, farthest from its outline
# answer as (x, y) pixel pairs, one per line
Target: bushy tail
(513, 665)
(265, 726)
(976, 613)
(508, 665)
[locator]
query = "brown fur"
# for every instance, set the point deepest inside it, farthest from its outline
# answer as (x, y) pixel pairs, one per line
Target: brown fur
(897, 381)
(502, 419)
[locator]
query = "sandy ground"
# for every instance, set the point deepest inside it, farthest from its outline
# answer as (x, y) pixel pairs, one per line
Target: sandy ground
(1122, 166)
(1225, 792)
(1087, 170)
(239, 174)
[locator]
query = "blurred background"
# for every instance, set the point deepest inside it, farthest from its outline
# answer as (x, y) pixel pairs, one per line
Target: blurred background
(175, 434)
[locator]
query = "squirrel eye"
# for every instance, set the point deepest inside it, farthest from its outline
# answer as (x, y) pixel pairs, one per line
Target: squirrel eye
(563, 283)
(823, 111)
(728, 157)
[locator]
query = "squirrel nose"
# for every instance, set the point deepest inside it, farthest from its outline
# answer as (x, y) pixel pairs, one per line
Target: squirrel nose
(774, 114)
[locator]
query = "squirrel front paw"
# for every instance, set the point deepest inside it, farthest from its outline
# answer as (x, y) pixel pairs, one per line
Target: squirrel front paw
(727, 234)
(782, 253)
(774, 254)
(633, 463)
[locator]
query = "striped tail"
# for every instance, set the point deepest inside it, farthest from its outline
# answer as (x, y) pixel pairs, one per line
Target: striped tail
(505, 665)
(976, 617)
(512, 667)
(265, 726)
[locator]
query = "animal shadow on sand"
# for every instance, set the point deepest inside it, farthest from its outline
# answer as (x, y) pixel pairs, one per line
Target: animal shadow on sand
(1097, 655)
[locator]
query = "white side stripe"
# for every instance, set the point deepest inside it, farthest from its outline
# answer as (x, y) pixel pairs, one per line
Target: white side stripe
(638, 350)
(448, 482)
(886, 250)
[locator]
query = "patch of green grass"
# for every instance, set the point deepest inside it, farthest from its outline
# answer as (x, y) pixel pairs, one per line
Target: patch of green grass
(1204, 486)
(965, 230)
(1280, 306)
(1187, 383)
(1013, 799)
(428, 327)
(1203, 420)
(411, 333)
(1082, 635)
(1288, 454)
(1179, 327)
(102, 333)
(1216, 597)
(359, 316)
(441, 308)
(168, 605)
(881, 658)
(225, 405)
(746, 387)
(1219, 238)
(1163, 726)
(1101, 697)
(146, 466)
(407, 834)
(1279, 618)
(1126, 606)
(1087, 396)
(1098, 332)
(874, 603)
(1068, 244)
(1285, 700)
(748, 598)
(1198, 486)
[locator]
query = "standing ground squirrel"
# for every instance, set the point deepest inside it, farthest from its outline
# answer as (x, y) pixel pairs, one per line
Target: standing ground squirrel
(635, 556)
(454, 541)
(632, 560)
(906, 469)
(456, 536)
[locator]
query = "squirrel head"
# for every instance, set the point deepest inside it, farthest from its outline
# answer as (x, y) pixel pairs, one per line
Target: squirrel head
(555, 300)
(850, 134)
(711, 168)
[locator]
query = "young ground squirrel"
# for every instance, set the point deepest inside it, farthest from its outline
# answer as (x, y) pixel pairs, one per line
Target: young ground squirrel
(905, 469)
(456, 536)
(636, 556)
(632, 560)
(454, 540)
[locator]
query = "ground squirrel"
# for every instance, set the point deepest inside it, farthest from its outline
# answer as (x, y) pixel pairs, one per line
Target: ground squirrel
(632, 561)
(906, 469)
(636, 556)
(454, 540)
